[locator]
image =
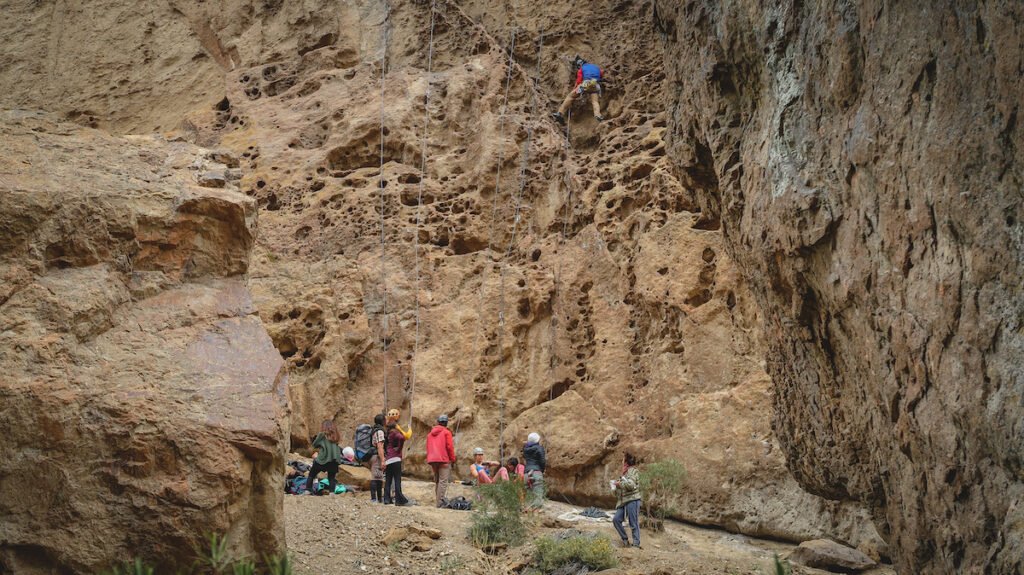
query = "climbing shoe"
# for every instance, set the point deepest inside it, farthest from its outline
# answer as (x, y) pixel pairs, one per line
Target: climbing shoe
(599, 118)
(559, 118)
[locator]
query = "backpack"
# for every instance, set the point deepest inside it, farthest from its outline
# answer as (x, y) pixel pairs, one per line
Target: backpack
(460, 503)
(362, 442)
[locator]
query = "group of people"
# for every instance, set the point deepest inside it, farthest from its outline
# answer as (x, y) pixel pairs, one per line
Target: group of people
(388, 443)
(441, 457)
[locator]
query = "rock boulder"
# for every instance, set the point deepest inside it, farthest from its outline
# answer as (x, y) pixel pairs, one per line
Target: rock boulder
(143, 403)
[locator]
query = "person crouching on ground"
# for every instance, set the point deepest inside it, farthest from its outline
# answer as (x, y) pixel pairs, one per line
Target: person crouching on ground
(535, 462)
(627, 495)
(511, 471)
(393, 447)
(327, 456)
(441, 456)
(480, 469)
(377, 438)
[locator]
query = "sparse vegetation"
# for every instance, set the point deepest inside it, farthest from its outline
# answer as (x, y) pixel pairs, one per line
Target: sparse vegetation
(497, 518)
(660, 483)
(594, 553)
(782, 567)
(214, 559)
(453, 564)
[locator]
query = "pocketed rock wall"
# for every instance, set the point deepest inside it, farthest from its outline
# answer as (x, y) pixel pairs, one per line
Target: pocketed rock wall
(627, 326)
(865, 160)
(142, 404)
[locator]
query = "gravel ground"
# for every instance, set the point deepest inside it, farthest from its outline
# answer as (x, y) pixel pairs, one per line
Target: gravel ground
(347, 534)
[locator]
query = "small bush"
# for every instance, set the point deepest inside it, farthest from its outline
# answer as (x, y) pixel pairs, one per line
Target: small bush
(136, 567)
(594, 553)
(782, 567)
(660, 483)
(496, 518)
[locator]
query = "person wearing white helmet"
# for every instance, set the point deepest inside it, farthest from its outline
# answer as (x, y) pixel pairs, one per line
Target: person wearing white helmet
(481, 469)
(534, 463)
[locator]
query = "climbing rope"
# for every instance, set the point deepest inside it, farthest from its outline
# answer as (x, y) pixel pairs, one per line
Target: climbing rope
(556, 299)
(419, 211)
(380, 185)
(516, 215)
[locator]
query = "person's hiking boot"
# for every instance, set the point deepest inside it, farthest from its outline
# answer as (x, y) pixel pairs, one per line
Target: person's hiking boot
(559, 118)
(637, 546)
(624, 543)
(408, 503)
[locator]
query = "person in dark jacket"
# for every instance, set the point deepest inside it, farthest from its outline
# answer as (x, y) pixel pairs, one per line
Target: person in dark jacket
(627, 495)
(440, 456)
(378, 437)
(393, 466)
(534, 463)
(588, 81)
(327, 456)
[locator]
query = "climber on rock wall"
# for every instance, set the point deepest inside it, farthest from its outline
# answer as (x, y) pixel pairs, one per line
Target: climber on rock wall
(588, 81)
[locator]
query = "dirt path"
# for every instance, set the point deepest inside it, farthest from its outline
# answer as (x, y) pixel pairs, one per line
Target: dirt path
(345, 534)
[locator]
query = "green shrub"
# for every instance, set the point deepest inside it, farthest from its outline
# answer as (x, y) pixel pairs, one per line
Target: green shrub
(280, 565)
(215, 558)
(660, 484)
(782, 567)
(136, 567)
(497, 517)
(595, 553)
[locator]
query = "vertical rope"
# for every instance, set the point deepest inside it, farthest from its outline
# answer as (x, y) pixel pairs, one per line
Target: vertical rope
(419, 211)
(556, 297)
(380, 185)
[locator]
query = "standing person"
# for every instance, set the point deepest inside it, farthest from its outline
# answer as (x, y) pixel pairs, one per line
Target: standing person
(377, 438)
(441, 456)
(627, 494)
(393, 417)
(588, 81)
(393, 447)
(535, 462)
(480, 470)
(327, 456)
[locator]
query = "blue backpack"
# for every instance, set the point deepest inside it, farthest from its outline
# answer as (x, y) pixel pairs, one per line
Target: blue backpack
(591, 72)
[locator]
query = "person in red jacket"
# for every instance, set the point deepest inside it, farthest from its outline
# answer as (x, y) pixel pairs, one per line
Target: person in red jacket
(588, 81)
(440, 456)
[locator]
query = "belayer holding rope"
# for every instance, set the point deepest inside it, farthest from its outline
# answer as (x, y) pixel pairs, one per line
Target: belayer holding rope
(588, 81)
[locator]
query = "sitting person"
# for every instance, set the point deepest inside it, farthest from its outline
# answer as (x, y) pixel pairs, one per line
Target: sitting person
(511, 471)
(480, 469)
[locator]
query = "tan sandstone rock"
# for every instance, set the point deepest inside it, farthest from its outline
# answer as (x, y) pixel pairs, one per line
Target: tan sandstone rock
(142, 404)
(864, 160)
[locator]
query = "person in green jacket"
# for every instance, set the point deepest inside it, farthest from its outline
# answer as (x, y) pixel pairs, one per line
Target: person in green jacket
(327, 456)
(627, 492)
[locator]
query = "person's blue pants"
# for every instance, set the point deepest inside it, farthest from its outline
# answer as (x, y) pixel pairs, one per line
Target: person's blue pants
(632, 511)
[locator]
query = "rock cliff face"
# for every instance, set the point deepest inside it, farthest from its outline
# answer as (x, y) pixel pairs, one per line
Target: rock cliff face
(865, 163)
(142, 403)
(573, 287)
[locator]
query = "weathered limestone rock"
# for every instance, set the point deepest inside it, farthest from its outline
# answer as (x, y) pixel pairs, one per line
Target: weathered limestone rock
(619, 304)
(864, 160)
(826, 554)
(142, 404)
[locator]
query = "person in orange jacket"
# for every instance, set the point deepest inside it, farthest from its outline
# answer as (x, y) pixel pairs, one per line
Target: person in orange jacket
(588, 81)
(441, 456)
